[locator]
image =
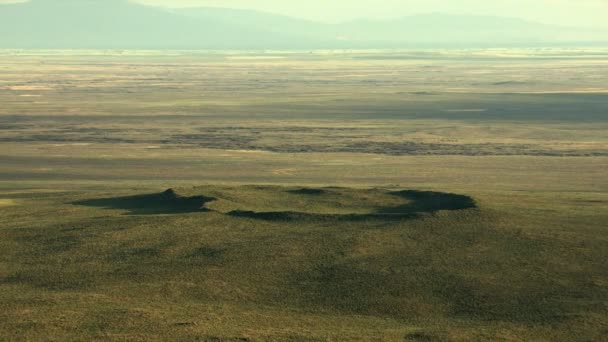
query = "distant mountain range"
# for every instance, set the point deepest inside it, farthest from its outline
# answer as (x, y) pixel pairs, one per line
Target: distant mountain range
(120, 24)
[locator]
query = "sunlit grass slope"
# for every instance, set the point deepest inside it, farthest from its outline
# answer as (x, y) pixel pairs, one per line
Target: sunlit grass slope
(362, 264)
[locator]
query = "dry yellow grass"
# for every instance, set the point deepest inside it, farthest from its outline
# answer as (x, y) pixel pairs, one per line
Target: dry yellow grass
(5, 202)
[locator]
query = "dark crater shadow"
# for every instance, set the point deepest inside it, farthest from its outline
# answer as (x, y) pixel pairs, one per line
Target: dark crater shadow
(420, 202)
(167, 202)
(429, 202)
(307, 191)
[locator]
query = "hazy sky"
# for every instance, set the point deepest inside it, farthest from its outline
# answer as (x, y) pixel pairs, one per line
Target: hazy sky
(567, 12)
(592, 13)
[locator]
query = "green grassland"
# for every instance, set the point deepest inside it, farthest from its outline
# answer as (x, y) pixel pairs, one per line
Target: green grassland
(324, 196)
(132, 265)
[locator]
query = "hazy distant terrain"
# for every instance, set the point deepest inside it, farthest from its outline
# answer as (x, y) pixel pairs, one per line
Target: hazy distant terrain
(121, 24)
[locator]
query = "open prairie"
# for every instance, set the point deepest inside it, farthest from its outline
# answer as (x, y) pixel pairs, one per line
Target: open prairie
(329, 195)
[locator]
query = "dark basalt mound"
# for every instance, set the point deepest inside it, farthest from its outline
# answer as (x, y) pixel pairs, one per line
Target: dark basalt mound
(169, 194)
(166, 202)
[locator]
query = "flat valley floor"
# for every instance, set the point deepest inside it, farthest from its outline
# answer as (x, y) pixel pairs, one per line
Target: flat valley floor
(329, 195)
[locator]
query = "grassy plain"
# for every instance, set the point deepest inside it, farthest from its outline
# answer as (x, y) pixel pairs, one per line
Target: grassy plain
(287, 169)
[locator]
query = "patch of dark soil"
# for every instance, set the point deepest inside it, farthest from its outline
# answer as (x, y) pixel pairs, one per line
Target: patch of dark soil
(207, 252)
(419, 337)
